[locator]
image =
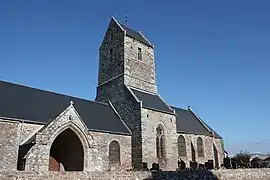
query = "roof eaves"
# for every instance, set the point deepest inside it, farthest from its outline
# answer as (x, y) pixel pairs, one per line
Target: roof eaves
(141, 90)
(154, 109)
(195, 133)
(110, 132)
(21, 120)
(186, 132)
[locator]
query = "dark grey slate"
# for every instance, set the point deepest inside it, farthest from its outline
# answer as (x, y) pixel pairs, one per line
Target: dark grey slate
(135, 34)
(152, 101)
(187, 122)
(21, 102)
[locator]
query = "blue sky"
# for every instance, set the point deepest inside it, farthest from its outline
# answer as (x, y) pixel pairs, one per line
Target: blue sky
(211, 55)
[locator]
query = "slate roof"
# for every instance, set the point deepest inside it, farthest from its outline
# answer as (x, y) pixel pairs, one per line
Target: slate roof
(21, 102)
(152, 101)
(136, 35)
(187, 122)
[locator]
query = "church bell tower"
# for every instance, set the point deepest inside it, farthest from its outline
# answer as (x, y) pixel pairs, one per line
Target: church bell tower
(127, 55)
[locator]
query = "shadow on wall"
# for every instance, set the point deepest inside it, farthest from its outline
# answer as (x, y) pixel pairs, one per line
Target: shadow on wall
(183, 175)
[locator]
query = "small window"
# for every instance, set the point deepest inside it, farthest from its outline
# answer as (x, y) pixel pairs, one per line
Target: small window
(111, 36)
(140, 53)
(114, 153)
(181, 146)
(200, 147)
(111, 54)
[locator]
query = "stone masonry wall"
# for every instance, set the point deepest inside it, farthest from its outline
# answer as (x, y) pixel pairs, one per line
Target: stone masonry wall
(9, 144)
(208, 148)
(110, 68)
(150, 120)
(100, 152)
(224, 174)
(129, 110)
(27, 129)
(139, 73)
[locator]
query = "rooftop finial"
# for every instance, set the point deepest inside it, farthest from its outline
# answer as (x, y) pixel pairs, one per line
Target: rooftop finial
(71, 103)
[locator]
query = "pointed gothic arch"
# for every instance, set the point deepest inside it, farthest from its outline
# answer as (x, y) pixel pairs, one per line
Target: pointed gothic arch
(66, 152)
(200, 147)
(181, 142)
(160, 143)
(78, 135)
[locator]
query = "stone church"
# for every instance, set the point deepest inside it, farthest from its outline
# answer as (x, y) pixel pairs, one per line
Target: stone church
(129, 125)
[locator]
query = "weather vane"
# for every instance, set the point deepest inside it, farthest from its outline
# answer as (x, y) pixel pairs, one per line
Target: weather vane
(126, 19)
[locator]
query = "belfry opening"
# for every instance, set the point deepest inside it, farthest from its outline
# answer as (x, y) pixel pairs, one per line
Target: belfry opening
(66, 153)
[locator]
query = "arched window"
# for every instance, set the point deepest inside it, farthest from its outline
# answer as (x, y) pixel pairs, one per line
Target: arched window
(181, 142)
(200, 148)
(114, 153)
(160, 142)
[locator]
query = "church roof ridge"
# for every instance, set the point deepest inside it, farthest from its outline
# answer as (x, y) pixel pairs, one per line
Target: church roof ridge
(20, 102)
(136, 35)
(189, 122)
(49, 91)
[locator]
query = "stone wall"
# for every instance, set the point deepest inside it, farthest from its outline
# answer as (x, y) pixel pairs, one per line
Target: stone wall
(139, 73)
(9, 144)
(129, 110)
(114, 175)
(28, 130)
(100, 153)
(242, 174)
(208, 148)
(113, 41)
(150, 120)
(230, 174)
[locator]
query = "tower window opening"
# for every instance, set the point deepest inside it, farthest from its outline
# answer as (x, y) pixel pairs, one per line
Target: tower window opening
(111, 54)
(140, 53)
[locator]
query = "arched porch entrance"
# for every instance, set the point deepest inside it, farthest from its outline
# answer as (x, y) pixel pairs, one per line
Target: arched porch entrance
(66, 153)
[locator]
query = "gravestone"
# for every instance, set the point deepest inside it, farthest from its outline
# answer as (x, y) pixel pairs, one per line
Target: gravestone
(145, 166)
(155, 167)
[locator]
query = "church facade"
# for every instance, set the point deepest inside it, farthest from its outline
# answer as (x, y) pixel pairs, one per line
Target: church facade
(127, 126)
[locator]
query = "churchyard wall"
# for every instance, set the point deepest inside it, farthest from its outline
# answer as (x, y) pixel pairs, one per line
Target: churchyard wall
(224, 174)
